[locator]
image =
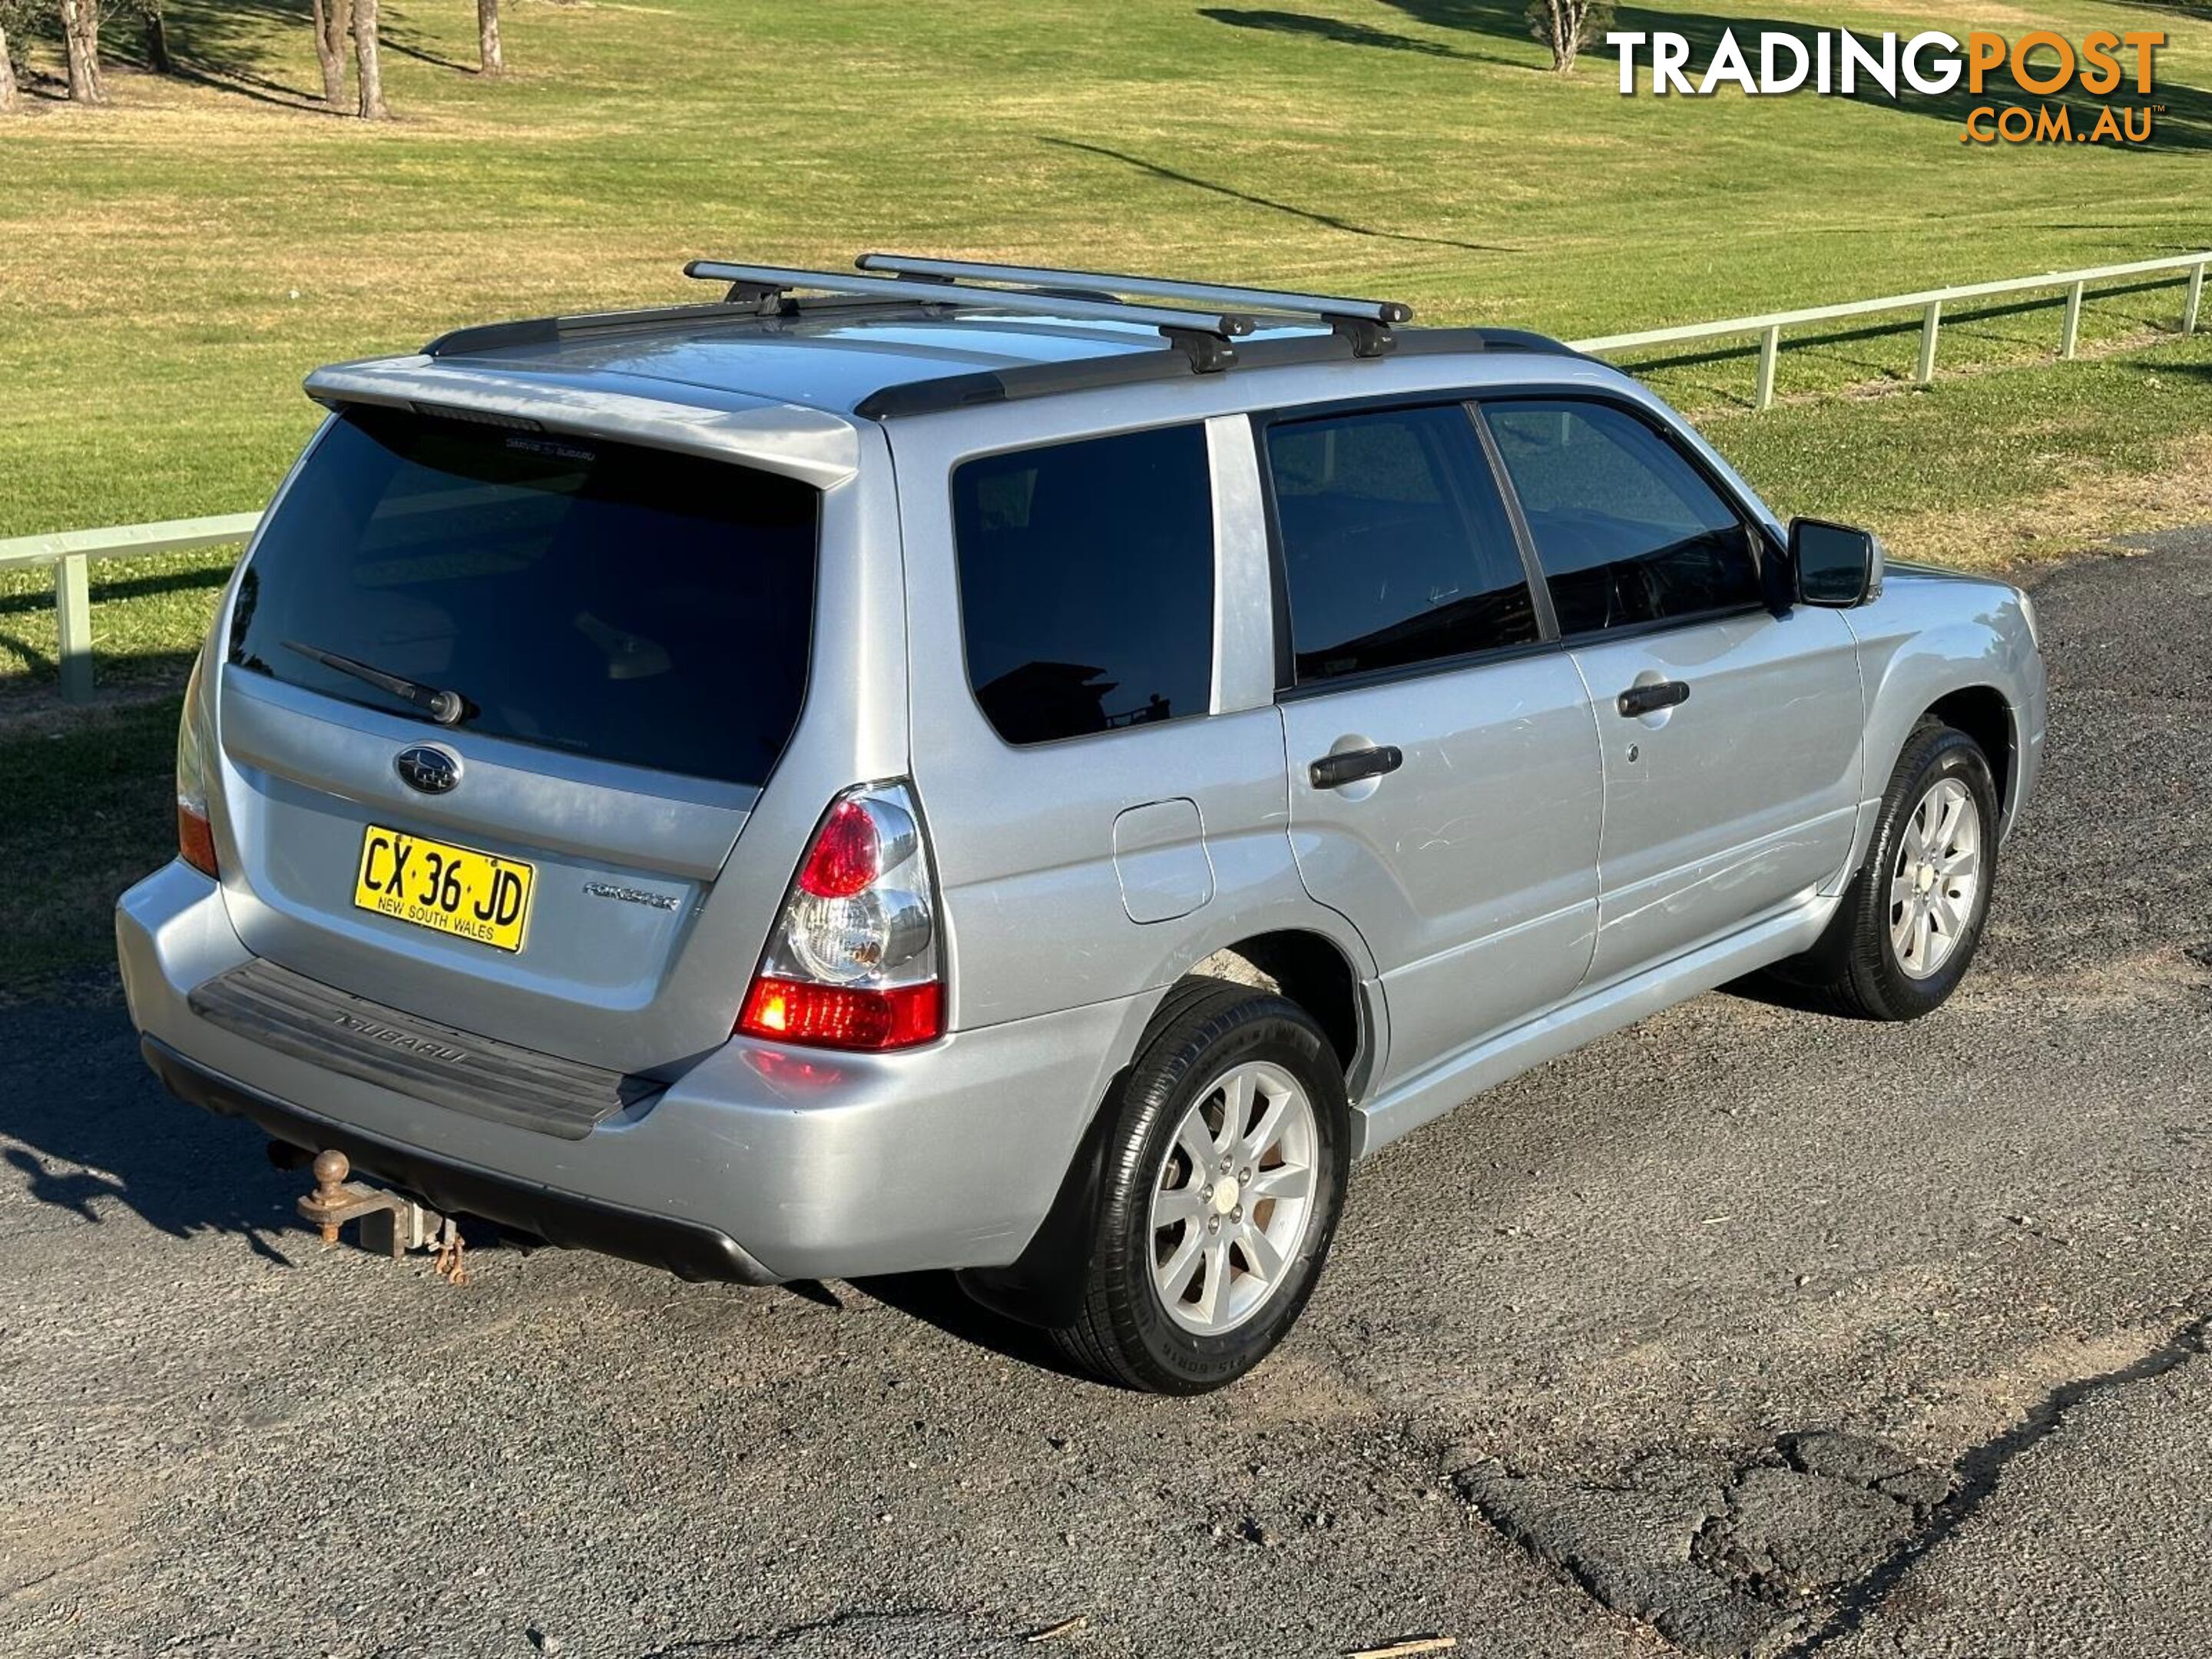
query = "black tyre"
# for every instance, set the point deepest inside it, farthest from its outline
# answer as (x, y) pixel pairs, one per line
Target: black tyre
(1912, 917)
(1223, 1176)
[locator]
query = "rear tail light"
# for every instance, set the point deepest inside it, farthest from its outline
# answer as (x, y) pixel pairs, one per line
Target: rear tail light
(854, 961)
(195, 838)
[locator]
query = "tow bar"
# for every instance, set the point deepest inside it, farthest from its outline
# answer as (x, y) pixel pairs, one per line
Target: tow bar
(388, 1222)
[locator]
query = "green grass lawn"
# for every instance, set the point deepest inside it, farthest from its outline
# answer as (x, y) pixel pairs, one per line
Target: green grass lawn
(174, 265)
(1986, 469)
(91, 808)
(171, 267)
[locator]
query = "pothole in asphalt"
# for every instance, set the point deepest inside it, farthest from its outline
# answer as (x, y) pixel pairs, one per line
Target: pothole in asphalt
(1721, 1556)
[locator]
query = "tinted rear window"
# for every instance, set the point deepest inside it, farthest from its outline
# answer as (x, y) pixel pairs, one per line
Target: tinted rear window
(593, 598)
(1086, 583)
(1397, 548)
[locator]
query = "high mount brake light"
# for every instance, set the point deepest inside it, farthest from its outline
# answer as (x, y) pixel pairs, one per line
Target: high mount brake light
(853, 960)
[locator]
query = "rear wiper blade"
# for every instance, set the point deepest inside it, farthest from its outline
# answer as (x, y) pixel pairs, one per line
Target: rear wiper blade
(447, 708)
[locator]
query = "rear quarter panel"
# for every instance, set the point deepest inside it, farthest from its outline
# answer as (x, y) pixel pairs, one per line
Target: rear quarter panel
(1040, 914)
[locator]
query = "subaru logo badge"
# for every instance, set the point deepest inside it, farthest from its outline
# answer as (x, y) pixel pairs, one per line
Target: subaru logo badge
(432, 771)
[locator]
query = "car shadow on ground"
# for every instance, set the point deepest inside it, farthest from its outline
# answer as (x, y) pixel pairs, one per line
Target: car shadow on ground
(86, 1129)
(1775, 991)
(89, 1130)
(936, 1299)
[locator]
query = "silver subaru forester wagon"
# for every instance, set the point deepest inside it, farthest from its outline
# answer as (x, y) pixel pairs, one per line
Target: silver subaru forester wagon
(1026, 772)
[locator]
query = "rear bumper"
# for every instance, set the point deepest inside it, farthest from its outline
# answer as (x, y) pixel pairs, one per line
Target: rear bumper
(686, 1248)
(758, 1164)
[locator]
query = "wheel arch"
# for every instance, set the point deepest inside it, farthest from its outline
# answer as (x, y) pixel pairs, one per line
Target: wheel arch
(1986, 715)
(1314, 971)
(1309, 967)
(1962, 649)
(1982, 711)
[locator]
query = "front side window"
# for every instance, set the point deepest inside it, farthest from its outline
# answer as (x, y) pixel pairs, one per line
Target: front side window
(1397, 548)
(1086, 583)
(1626, 530)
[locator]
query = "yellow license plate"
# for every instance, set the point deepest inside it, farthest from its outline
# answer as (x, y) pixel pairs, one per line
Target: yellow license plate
(434, 884)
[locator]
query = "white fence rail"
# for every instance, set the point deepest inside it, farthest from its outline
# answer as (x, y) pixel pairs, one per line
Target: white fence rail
(1930, 304)
(70, 552)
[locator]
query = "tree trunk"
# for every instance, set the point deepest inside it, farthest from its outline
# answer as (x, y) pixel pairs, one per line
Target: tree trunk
(370, 68)
(330, 18)
(157, 42)
(488, 52)
(1566, 35)
(81, 33)
(7, 76)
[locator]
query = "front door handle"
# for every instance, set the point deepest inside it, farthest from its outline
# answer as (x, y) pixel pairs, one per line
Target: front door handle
(1334, 771)
(1651, 698)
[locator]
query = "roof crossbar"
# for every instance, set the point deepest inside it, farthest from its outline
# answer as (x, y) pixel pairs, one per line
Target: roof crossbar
(1203, 336)
(1366, 323)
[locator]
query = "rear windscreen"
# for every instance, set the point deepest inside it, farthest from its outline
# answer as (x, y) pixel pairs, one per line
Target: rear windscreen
(594, 598)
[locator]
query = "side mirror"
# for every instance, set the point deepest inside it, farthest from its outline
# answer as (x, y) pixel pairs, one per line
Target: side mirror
(1837, 566)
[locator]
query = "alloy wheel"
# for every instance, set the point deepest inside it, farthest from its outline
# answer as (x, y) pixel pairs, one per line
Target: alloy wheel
(1234, 1198)
(1938, 878)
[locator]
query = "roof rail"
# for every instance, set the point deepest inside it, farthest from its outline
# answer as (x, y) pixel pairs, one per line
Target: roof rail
(1366, 323)
(1202, 335)
(964, 391)
(546, 330)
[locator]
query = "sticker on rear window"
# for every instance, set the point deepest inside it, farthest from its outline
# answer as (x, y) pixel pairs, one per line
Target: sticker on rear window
(554, 447)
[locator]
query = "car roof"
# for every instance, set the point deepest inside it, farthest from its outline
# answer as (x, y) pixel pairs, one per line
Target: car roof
(827, 358)
(869, 360)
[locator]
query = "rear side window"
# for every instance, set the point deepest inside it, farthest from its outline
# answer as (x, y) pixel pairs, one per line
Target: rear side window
(596, 598)
(1086, 583)
(1627, 531)
(1396, 548)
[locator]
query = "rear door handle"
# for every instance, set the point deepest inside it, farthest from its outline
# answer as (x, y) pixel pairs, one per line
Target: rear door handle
(1334, 771)
(1650, 699)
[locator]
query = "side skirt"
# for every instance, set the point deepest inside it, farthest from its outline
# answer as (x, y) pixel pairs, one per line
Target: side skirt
(1429, 1094)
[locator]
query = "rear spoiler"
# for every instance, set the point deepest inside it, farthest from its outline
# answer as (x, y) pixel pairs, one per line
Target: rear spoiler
(819, 448)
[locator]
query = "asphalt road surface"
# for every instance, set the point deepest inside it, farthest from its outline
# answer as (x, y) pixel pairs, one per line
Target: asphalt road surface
(1743, 1331)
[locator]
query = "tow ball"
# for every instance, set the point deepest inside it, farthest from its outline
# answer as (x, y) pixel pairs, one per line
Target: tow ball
(388, 1222)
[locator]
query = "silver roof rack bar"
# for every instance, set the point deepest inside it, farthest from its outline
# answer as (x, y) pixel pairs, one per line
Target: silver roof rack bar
(1156, 288)
(1203, 334)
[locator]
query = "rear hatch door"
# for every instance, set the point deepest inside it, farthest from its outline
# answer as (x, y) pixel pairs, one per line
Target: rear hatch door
(627, 632)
